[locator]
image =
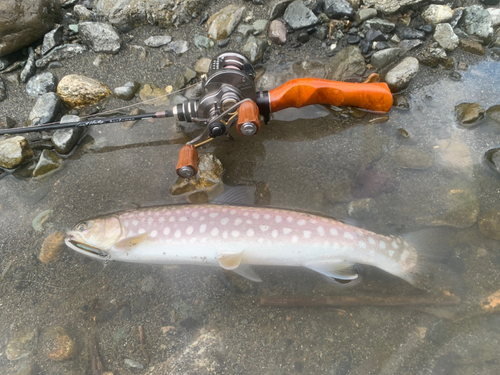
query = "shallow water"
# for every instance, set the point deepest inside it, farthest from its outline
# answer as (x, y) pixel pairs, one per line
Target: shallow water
(216, 322)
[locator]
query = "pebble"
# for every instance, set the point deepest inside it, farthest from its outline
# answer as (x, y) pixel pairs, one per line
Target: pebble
(178, 47)
(82, 13)
(127, 91)
(492, 157)
(254, 48)
(202, 42)
(79, 91)
(409, 33)
(14, 152)
(224, 43)
(41, 84)
(203, 65)
(158, 41)
(260, 26)
(338, 9)
(435, 14)
(408, 45)
(399, 77)
(365, 14)
(353, 39)
(412, 158)
(469, 113)
(298, 16)
(375, 36)
(277, 32)
(472, 47)
(151, 91)
(45, 109)
(425, 28)
(65, 139)
(381, 59)
(303, 37)
(52, 248)
(7, 122)
(133, 364)
(48, 164)
(30, 68)
(489, 224)
(432, 57)
(362, 208)
(21, 345)
(279, 8)
(494, 113)
(61, 52)
(223, 23)
(52, 39)
(100, 37)
(57, 345)
(445, 37)
(378, 24)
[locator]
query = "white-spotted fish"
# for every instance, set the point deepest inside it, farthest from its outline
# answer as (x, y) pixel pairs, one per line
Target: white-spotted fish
(237, 237)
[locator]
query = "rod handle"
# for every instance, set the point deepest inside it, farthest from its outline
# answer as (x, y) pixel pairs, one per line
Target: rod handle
(187, 165)
(248, 119)
(306, 91)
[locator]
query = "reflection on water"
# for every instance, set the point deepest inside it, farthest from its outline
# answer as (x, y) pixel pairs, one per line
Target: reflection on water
(198, 321)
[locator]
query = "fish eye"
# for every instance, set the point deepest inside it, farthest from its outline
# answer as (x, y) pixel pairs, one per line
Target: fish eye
(82, 227)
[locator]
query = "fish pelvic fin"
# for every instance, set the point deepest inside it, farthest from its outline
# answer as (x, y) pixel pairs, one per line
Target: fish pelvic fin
(232, 262)
(128, 244)
(247, 272)
(335, 269)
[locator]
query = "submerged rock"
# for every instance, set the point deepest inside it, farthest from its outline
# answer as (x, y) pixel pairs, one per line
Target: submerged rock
(41, 84)
(52, 248)
(14, 152)
(45, 110)
(57, 345)
(472, 47)
(492, 157)
(78, 91)
(494, 113)
(48, 164)
(362, 208)
(489, 224)
(65, 139)
(469, 113)
(61, 52)
(223, 23)
(100, 37)
(412, 158)
(298, 16)
(399, 77)
(21, 345)
(348, 63)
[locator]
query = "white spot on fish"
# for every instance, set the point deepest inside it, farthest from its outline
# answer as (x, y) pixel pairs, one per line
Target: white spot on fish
(321, 231)
(177, 233)
(141, 213)
(225, 234)
(278, 219)
(166, 231)
(150, 219)
(213, 215)
(382, 244)
(154, 233)
(405, 255)
(246, 214)
(224, 221)
(183, 218)
(260, 240)
(256, 216)
(202, 218)
(203, 228)
(238, 221)
(205, 210)
(264, 228)
(267, 216)
(125, 223)
(372, 252)
(214, 232)
(274, 233)
(189, 230)
(250, 233)
(371, 241)
(249, 221)
(172, 219)
(336, 245)
(295, 239)
(192, 240)
(362, 244)
(232, 212)
(235, 233)
(395, 245)
(287, 230)
(161, 219)
(301, 222)
(195, 214)
(289, 219)
(348, 235)
(334, 232)
(391, 253)
(312, 221)
(224, 210)
(307, 233)
(141, 231)
(405, 243)
(359, 233)
(134, 223)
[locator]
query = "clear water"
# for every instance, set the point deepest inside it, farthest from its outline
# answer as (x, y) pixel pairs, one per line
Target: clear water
(214, 320)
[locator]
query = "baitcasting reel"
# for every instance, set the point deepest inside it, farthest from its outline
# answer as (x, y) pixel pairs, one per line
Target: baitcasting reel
(229, 98)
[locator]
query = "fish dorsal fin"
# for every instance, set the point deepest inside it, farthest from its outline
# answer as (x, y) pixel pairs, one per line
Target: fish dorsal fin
(334, 268)
(239, 195)
(230, 261)
(127, 244)
(247, 272)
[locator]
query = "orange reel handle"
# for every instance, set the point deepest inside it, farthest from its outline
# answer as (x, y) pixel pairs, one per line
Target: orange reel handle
(248, 119)
(306, 91)
(187, 165)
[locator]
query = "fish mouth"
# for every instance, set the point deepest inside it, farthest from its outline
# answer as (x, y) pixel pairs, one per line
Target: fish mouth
(85, 248)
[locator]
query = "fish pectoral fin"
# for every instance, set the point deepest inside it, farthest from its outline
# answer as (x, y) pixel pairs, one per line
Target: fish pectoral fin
(247, 272)
(230, 261)
(127, 244)
(335, 269)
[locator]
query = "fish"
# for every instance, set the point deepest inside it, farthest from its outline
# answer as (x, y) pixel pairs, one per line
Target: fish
(239, 237)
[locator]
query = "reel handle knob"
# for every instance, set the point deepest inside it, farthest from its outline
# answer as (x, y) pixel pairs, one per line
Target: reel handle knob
(187, 165)
(248, 119)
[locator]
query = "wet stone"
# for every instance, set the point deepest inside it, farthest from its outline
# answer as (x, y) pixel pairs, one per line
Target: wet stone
(277, 32)
(349, 62)
(494, 113)
(362, 208)
(435, 14)
(409, 33)
(14, 152)
(469, 113)
(45, 110)
(3, 92)
(303, 37)
(254, 48)
(57, 345)
(65, 139)
(202, 65)
(425, 28)
(30, 68)
(278, 8)
(320, 33)
(412, 158)
(260, 26)
(365, 14)
(78, 91)
(381, 59)
(61, 52)
(437, 332)
(100, 37)
(399, 77)
(21, 345)
(224, 43)
(52, 248)
(82, 13)
(48, 164)
(432, 57)
(223, 23)
(375, 36)
(151, 91)
(127, 91)
(353, 39)
(7, 122)
(495, 16)
(158, 41)
(298, 16)
(410, 44)
(378, 24)
(52, 39)
(338, 9)
(445, 37)
(472, 47)
(41, 84)
(489, 224)
(476, 21)
(178, 47)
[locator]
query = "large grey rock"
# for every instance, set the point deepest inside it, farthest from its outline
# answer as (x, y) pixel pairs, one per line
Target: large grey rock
(223, 23)
(156, 41)
(338, 9)
(278, 8)
(476, 22)
(30, 67)
(45, 109)
(82, 13)
(297, 15)
(378, 24)
(65, 139)
(60, 53)
(381, 59)
(125, 14)
(24, 21)
(41, 84)
(399, 77)
(178, 47)
(52, 39)
(435, 14)
(348, 63)
(14, 152)
(254, 48)
(445, 37)
(365, 14)
(390, 6)
(100, 37)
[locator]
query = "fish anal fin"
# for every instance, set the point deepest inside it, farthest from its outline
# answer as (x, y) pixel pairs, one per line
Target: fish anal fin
(127, 244)
(336, 269)
(247, 272)
(230, 261)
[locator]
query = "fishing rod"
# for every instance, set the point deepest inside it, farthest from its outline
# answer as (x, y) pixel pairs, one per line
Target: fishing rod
(230, 99)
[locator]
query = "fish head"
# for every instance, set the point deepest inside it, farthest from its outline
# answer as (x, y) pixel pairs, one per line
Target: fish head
(96, 237)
